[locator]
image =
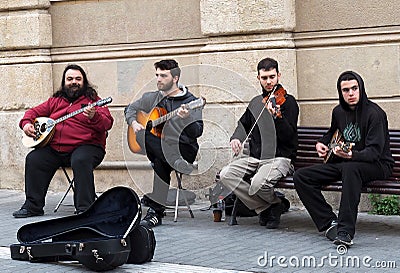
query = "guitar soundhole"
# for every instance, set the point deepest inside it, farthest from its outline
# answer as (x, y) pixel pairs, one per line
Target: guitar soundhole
(149, 125)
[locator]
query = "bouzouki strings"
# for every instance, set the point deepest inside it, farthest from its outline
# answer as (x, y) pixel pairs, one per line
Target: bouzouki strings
(337, 140)
(44, 126)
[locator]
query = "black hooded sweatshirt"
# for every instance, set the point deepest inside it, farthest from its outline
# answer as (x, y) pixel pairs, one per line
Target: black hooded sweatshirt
(278, 137)
(366, 126)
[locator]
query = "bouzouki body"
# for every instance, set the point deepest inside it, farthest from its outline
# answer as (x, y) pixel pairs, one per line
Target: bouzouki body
(44, 126)
(44, 132)
(154, 121)
(337, 140)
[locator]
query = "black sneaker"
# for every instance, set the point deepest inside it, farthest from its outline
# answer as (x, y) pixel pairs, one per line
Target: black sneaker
(24, 213)
(343, 238)
(275, 216)
(331, 232)
(264, 217)
(151, 219)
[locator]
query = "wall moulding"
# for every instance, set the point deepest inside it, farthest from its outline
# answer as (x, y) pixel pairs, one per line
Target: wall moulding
(347, 37)
(25, 56)
(127, 50)
(10, 5)
(250, 42)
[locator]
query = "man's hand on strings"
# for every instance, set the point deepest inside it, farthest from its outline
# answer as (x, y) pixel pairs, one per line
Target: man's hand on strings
(136, 126)
(273, 110)
(322, 149)
(182, 112)
(236, 146)
(89, 112)
(29, 130)
(340, 153)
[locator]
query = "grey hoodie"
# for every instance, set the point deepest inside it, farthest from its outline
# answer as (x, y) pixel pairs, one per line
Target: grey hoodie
(185, 130)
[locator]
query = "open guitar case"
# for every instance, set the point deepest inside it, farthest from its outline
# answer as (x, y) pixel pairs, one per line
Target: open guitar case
(101, 238)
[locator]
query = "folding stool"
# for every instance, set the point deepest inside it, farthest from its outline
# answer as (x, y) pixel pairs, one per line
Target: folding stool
(179, 180)
(70, 186)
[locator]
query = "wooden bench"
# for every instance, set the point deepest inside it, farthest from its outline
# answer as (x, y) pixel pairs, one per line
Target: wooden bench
(307, 156)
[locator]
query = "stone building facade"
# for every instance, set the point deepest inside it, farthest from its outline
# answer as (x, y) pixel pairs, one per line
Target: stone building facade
(218, 44)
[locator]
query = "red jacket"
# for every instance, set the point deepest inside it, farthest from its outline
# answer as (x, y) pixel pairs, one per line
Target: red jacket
(76, 130)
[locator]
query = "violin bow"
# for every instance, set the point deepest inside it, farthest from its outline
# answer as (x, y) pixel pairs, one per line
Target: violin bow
(257, 119)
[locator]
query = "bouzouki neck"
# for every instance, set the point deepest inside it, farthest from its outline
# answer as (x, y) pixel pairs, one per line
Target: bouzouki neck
(44, 127)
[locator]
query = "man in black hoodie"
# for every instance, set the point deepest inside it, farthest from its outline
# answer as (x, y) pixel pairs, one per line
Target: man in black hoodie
(272, 130)
(363, 124)
(174, 146)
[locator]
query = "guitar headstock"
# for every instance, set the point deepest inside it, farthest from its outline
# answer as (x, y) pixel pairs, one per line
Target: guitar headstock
(198, 103)
(104, 101)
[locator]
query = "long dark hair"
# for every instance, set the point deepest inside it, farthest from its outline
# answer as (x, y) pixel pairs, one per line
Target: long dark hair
(88, 89)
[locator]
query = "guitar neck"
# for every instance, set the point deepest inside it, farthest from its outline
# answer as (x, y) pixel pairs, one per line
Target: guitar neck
(164, 118)
(73, 113)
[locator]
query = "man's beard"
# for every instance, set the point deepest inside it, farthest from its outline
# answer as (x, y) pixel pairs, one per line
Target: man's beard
(73, 92)
(165, 87)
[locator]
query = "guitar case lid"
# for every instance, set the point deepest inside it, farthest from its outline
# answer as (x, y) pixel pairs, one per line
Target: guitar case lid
(113, 215)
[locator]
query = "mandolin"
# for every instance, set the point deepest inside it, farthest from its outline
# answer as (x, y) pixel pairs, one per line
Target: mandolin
(155, 119)
(337, 140)
(44, 127)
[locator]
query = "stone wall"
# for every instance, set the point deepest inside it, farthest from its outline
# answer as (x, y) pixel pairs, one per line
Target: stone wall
(218, 44)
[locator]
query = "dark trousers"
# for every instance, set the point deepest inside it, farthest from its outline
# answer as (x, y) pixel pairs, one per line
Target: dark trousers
(42, 163)
(163, 156)
(354, 175)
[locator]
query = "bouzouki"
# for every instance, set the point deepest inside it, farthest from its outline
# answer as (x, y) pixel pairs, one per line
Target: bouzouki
(44, 127)
(337, 140)
(155, 119)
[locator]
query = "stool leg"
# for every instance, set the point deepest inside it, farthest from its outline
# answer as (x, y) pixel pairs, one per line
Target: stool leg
(179, 179)
(233, 221)
(71, 186)
(176, 205)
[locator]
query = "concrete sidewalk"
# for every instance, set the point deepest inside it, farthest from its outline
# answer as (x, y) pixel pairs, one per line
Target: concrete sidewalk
(199, 245)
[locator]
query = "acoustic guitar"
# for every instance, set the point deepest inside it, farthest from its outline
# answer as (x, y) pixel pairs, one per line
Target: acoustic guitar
(337, 140)
(155, 119)
(44, 126)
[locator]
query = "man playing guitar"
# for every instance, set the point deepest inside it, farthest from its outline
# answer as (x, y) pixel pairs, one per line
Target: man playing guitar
(78, 141)
(362, 124)
(174, 146)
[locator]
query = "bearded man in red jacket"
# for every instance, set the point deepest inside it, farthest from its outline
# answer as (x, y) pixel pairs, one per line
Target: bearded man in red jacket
(78, 142)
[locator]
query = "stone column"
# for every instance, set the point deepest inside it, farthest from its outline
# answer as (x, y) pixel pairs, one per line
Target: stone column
(26, 77)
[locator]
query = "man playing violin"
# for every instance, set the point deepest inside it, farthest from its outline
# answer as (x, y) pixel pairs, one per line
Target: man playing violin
(271, 129)
(177, 148)
(364, 123)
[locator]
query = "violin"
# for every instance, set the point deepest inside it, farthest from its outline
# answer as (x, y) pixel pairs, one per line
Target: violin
(276, 97)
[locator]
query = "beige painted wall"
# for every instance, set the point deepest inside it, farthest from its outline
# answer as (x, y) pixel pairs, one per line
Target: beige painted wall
(316, 15)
